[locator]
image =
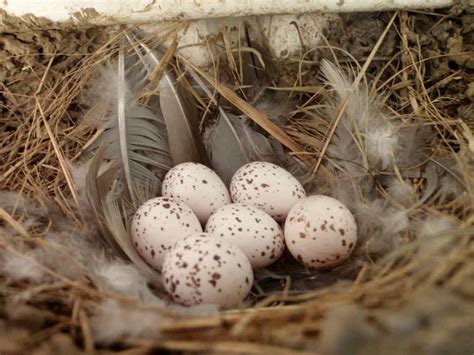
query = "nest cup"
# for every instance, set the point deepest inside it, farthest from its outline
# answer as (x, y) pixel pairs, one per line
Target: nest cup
(386, 128)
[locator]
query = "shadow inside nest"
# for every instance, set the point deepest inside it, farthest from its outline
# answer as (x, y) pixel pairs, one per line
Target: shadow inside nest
(292, 278)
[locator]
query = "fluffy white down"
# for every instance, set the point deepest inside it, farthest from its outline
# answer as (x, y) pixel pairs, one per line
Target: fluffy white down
(434, 225)
(119, 277)
(402, 191)
(382, 143)
(22, 268)
(112, 321)
(67, 251)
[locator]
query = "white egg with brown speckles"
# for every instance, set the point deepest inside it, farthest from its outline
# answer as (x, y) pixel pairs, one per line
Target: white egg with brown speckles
(197, 186)
(158, 224)
(320, 232)
(200, 269)
(267, 187)
(251, 229)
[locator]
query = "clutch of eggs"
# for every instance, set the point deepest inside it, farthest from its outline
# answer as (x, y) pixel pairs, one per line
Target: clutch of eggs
(242, 230)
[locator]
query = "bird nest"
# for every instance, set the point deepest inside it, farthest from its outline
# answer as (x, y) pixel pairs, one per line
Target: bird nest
(408, 287)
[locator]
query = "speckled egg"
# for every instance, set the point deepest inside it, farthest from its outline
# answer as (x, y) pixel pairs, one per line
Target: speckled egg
(320, 232)
(158, 224)
(203, 270)
(251, 229)
(268, 187)
(197, 186)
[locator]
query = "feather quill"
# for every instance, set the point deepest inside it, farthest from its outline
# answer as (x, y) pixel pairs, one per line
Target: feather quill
(177, 106)
(121, 121)
(130, 158)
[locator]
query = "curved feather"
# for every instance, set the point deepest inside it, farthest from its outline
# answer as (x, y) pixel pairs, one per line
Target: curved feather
(105, 194)
(177, 106)
(130, 159)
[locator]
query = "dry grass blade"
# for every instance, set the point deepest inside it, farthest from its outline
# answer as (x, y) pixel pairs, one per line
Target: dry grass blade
(53, 139)
(253, 113)
(228, 347)
(13, 223)
(345, 101)
(86, 333)
(60, 157)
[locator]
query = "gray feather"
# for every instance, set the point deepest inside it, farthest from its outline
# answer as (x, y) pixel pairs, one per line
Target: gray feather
(178, 109)
(231, 143)
(105, 193)
(130, 157)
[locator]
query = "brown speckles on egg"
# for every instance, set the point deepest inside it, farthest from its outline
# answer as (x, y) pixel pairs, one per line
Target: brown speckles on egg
(198, 186)
(226, 278)
(266, 186)
(249, 228)
(322, 248)
(154, 232)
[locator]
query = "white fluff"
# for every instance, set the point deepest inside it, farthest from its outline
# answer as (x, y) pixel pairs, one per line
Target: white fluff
(27, 213)
(402, 191)
(363, 117)
(378, 225)
(78, 173)
(382, 143)
(434, 225)
(433, 233)
(69, 250)
(119, 277)
(22, 269)
(395, 221)
(112, 321)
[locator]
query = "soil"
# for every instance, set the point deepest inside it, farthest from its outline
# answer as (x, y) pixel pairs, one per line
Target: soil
(443, 37)
(26, 53)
